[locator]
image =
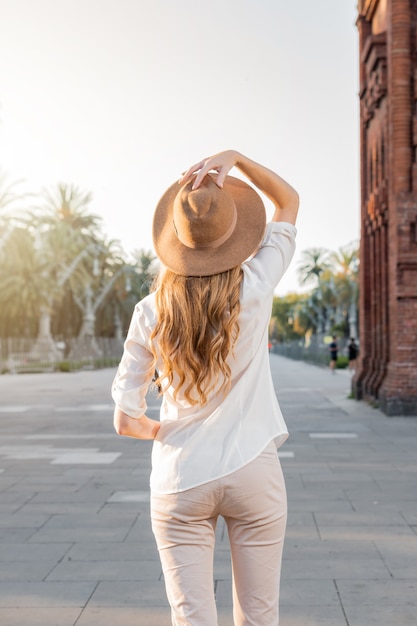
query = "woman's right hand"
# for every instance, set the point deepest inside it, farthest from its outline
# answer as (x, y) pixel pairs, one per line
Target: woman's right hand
(284, 197)
(221, 163)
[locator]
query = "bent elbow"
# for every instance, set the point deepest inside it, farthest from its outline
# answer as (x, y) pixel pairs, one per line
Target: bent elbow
(120, 422)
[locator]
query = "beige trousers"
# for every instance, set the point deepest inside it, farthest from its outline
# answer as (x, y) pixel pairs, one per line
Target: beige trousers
(253, 503)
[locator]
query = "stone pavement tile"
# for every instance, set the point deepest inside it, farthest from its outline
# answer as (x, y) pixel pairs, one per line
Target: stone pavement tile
(141, 531)
(27, 571)
(106, 570)
(22, 520)
(317, 496)
(53, 478)
(400, 557)
(124, 519)
(24, 487)
(222, 568)
(293, 480)
(14, 503)
(145, 593)
(40, 617)
(87, 495)
(117, 551)
(399, 488)
(76, 534)
(381, 616)
(312, 616)
(378, 593)
(310, 504)
(15, 535)
(122, 616)
(300, 518)
(42, 594)
(302, 533)
(223, 591)
(225, 617)
(329, 569)
(8, 480)
(53, 507)
(308, 592)
(370, 503)
(362, 467)
(330, 550)
(353, 518)
(140, 508)
(15, 552)
(410, 516)
(368, 533)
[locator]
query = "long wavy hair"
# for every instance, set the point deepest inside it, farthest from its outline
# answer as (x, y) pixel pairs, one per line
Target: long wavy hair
(197, 329)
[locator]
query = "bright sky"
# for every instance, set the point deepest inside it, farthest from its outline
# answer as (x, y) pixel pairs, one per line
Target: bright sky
(120, 96)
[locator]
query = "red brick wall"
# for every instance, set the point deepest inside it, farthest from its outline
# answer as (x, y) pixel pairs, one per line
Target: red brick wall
(388, 310)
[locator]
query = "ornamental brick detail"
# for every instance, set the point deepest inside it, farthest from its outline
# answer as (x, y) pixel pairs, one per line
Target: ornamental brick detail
(387, 373)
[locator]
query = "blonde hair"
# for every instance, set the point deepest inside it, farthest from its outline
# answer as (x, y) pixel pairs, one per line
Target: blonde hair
(197, 329)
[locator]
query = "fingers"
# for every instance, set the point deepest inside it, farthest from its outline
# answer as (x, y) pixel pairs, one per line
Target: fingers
(220, 163)
(221, 177)
(186, 176)
(202, 174)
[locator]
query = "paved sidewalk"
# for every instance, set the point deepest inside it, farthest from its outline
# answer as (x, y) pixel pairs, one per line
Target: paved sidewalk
(76, 546)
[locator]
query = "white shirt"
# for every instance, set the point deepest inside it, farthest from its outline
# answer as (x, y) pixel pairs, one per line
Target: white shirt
(198, 444)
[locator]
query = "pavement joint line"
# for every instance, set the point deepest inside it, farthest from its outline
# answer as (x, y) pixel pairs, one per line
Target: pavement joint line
(341, 602)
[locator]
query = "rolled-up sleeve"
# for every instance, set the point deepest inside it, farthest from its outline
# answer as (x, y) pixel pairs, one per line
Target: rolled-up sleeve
(135, 370)
(274, 255)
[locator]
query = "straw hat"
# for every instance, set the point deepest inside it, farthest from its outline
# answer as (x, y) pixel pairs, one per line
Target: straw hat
(208, 230)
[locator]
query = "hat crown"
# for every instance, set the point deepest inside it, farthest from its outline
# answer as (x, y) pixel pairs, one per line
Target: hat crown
(204, 217)
(199, 201)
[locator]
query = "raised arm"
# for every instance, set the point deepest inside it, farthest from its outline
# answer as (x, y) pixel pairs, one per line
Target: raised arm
(283, 196)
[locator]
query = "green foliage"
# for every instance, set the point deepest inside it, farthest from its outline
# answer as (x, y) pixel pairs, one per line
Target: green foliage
(55, 263)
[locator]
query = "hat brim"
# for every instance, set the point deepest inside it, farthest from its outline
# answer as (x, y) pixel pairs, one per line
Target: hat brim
(245, 239)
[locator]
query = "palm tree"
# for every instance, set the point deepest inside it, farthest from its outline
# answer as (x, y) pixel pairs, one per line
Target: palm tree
(314, 263)
(346, 264)
(66, 233)
(68, 204)
(22, 284)
(11, 213)
(146, 269)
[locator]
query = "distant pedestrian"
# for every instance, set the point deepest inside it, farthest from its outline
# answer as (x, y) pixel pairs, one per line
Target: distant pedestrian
(205, 330)
(353, 351)
(333, 348)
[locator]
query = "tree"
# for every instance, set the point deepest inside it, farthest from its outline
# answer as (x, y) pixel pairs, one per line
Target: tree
(287, 320)
(65, 233)
(11, 213)
(22, 285)
(346, 276)
(314, 262)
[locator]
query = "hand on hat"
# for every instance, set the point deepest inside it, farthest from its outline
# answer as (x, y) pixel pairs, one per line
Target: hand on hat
(221, 163)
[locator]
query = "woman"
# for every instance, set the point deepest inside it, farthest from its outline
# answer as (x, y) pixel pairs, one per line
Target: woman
(205, 330)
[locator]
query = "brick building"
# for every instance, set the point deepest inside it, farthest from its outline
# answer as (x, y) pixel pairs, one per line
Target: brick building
(387, 369)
